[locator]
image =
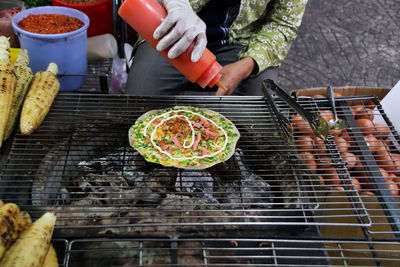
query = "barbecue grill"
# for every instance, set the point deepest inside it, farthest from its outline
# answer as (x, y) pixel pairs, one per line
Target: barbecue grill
(262, 207)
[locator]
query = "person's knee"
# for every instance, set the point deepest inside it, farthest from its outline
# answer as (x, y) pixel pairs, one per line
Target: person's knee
(140, 73)
(270, 73)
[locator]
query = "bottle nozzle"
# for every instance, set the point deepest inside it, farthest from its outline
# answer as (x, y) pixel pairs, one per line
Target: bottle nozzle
(221, 89)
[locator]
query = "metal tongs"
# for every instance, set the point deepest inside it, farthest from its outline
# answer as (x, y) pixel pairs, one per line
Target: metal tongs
(317, 123)
(334, 123)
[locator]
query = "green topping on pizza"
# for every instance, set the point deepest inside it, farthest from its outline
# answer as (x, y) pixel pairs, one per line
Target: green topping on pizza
(184, 137)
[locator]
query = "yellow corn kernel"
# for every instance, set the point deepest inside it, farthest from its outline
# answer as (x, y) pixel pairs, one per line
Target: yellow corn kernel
(41, 94)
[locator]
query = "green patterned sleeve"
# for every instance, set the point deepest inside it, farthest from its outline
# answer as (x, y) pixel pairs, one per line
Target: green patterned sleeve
(197, 5)
(270, 45)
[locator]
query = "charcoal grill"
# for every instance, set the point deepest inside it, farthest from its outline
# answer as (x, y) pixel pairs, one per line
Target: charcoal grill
(262, 207)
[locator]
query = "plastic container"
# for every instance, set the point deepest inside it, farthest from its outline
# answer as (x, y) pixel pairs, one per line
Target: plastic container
(101, 47)
(67, 50)
(145, 16)
(99, 13)
(5, 19)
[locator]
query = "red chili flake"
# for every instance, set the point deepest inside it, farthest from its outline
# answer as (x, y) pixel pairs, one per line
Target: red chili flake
(50, 23)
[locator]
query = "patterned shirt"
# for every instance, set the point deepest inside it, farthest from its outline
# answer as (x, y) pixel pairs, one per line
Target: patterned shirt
(266, 28)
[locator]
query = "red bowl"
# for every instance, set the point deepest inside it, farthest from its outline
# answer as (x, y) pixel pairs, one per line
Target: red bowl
(100, 15)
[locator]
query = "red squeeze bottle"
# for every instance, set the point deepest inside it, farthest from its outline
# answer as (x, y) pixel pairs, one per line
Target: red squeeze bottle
(144, 16)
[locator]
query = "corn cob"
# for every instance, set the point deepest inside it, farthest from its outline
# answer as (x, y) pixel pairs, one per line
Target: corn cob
(11, 228)
(41, 93)
(8, 214)
(32, 246)
(51, 258)
(22, 222)
(24, 76)
(8, 81)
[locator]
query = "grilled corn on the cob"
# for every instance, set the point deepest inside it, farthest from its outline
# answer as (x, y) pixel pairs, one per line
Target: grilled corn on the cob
(32, 246)
(12, 224)
(8, 81)
(42, 91)
(51, 258)
(24, 76)
(8, 214)
(22, 222)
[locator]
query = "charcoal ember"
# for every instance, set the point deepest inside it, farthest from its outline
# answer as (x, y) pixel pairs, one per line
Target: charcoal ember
(191, 181)
(115, 196)
(289, 187)
(112, 188)
(134, 161)
(176, 202)
(159, 221)
(86, 186)
(198, 183)
(184, 203)
(292, 195)
(223, 171)
(251, 191)
(160, 179)
(125, 159)
(255, 138)
(114, 179)
(136, 220)
(64, 197)
(61, 162)
(134, 176)
(48, 180)
(85, 202)
(255, 190)
(84, 213)
(145, 194)
(288, 183)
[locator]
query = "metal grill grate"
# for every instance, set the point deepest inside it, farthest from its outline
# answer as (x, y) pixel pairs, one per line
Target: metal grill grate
(98, 77)
(231, 252)
(79, 165)
(61, 247)
(367, 156)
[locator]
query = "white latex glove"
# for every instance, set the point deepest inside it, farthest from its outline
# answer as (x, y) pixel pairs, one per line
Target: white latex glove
(179, 29)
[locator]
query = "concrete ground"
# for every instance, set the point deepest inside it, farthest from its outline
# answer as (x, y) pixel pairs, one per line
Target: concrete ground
(345, 43)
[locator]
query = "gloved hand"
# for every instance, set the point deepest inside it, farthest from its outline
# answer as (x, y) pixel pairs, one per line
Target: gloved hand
(180, 28)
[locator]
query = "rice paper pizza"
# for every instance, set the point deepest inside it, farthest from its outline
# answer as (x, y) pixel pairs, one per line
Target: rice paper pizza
(184, 137)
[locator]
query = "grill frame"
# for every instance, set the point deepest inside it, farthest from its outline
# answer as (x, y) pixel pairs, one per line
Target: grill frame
(248, 252)
(77, 108)
(366, 223)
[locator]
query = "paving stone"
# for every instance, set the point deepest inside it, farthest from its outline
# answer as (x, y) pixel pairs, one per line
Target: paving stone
(345, 43)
